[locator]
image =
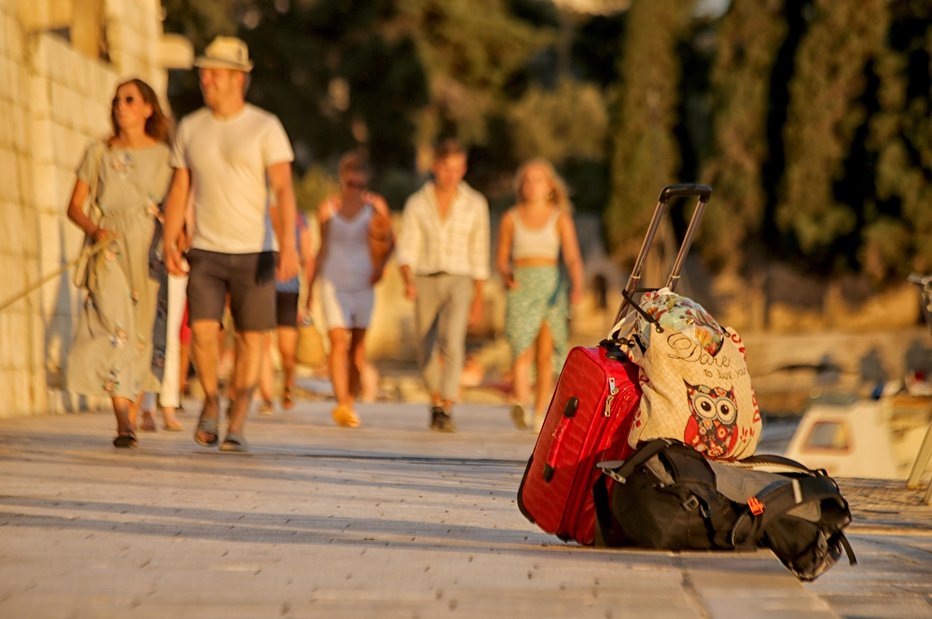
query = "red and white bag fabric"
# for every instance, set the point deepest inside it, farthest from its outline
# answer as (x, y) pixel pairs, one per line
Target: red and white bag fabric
(694, 377)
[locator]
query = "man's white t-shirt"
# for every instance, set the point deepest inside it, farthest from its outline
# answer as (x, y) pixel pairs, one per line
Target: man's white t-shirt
(227, 159)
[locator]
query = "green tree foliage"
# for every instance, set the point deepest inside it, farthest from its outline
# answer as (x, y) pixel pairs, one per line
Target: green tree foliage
(812, 119)
(824, 114)
(748, 39)
(469, 49)
(645, 151)
(569, 121)
(899, 236)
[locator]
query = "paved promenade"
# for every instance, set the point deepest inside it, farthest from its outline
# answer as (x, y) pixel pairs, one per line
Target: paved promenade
(388, 520)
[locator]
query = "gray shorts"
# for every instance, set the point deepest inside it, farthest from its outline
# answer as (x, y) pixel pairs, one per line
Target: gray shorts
(249, 279)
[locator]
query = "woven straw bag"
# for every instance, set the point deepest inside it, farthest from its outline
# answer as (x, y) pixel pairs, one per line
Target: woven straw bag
(310, 351)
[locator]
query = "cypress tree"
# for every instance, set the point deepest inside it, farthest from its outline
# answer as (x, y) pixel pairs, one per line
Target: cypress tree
(645, 151)
(823, 116)
(748, 39)
(898, 236)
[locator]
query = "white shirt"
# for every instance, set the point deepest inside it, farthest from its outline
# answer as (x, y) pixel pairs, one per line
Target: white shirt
(458, 244)
(227, 158)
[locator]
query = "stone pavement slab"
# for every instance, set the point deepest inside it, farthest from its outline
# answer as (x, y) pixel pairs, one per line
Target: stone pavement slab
(388, 520)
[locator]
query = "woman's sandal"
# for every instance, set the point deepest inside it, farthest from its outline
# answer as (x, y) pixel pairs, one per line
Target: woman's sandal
(125, 440)
(287, 400)
(520, 417)
(345, 416)
(173, 426)
(234, 442)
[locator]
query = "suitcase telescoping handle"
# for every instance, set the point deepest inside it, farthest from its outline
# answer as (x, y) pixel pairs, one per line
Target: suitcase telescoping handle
(686, 190)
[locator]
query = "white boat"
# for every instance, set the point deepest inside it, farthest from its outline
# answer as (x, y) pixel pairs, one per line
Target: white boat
(856, 437)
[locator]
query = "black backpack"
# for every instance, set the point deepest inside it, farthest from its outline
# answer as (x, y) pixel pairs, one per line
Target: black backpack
(669, 496)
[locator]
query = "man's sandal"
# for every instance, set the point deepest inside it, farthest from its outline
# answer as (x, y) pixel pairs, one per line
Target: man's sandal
(207, 433)
(234, 442)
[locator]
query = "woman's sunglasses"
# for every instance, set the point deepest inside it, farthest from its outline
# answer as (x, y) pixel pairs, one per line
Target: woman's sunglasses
(129, 100)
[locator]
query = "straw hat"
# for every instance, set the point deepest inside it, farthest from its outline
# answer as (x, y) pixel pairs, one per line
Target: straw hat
(225, 53)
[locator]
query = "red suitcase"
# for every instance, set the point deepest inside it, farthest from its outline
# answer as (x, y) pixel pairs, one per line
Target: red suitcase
(591, 410)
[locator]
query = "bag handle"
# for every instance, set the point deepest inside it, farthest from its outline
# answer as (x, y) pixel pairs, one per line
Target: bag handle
(703, 193)
(569, 411)
(771, 462)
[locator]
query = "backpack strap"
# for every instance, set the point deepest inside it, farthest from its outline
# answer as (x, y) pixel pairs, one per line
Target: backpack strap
(621, 470)
(606, 533)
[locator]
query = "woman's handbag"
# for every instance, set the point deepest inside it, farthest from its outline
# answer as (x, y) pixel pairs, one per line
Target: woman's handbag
(310, 351)
(82, 269)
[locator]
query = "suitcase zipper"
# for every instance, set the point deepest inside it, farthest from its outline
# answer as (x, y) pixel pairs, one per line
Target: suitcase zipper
(612, 390)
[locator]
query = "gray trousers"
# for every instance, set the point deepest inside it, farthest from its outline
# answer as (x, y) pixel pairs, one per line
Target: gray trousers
(441, 315)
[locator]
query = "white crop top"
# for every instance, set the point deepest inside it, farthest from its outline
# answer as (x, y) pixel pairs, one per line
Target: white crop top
(543, 242)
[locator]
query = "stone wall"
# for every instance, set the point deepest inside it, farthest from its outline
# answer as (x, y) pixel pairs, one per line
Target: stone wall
(54, 100)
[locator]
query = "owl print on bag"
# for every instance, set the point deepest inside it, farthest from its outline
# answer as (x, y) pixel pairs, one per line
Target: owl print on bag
(712, 428)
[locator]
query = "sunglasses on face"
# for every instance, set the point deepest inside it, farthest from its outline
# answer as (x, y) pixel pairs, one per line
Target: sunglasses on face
(355, 184)
(128, 100)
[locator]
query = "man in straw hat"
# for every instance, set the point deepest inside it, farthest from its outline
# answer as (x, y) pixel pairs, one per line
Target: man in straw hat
(229, 156)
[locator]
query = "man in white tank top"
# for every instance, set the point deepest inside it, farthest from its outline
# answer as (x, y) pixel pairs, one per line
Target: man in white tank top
(227, 156)
(443, 252)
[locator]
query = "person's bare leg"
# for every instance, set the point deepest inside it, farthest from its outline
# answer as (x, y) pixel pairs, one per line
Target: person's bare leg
(521, 388)
(266, 376)
(287, 348)
(544, 388)
(521, 376)
(249, 345)
(147, 408)
(133, 412)
(205, 346)
(185, 363)
(121, 409)
(357, 358)
(339, 366)
(169, 421)
(343, 414)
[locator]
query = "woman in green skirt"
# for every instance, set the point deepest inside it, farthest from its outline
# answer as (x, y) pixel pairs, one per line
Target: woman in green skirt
(533, 236)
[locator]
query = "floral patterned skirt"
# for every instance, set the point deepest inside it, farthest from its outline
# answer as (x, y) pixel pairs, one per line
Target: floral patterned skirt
(542, 295)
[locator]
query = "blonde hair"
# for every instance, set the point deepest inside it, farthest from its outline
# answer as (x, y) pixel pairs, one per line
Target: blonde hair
(559, 195)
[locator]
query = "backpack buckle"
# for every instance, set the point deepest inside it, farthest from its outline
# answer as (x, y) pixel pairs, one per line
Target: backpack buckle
(691, 503)
(615, 475)
(756, 507)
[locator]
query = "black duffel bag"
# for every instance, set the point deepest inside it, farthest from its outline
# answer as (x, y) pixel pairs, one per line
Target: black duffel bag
(669, 496)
